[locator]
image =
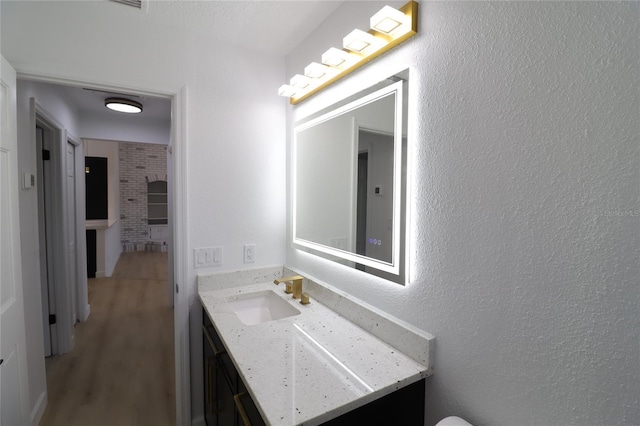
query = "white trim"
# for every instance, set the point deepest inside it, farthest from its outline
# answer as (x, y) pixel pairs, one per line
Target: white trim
(180, 255)
(82, 292)
(44, 78)
(353, 224)
(38, 408)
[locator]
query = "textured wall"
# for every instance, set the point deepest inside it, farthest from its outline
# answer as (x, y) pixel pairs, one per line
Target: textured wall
(525, 226)
(138, 163)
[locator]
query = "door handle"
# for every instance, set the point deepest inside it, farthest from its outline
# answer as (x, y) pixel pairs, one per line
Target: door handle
(1, 361)
(240, 408)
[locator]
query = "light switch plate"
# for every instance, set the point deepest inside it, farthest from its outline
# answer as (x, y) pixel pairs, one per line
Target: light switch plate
(207, 256)
(216, 256)
(28, 180)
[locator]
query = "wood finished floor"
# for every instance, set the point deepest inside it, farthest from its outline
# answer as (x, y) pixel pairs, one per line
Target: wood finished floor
(121, 371)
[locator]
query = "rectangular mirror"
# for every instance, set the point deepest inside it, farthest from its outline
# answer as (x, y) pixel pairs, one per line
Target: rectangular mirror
(349, 181)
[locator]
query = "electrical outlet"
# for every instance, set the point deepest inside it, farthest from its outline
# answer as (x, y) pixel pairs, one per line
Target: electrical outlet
(249, 253)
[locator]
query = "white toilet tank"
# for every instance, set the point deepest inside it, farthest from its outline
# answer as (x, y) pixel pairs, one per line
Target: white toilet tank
(453, 421)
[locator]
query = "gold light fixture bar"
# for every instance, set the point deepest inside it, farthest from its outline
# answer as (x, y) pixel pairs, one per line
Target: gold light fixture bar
(386, 33)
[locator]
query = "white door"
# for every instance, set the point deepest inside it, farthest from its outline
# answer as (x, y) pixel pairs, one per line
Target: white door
(13, 374)
(71, 229)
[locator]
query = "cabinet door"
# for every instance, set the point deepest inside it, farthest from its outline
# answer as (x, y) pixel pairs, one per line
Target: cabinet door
(225, 406)
(210, 398)
(219, 380)
(227, 401)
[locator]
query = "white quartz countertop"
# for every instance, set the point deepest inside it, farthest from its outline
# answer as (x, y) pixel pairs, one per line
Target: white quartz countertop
(308, 368)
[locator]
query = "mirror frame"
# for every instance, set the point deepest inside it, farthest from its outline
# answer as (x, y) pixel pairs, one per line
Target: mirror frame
(397, 269)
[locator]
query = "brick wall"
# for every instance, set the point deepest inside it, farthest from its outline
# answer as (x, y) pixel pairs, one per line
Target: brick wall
(139, 163)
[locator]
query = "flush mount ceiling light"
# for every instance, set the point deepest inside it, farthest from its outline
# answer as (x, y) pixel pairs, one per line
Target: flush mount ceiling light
(388, 28)
(123, 105)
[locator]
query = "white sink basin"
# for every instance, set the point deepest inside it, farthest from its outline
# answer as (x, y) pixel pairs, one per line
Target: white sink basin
(261, 306)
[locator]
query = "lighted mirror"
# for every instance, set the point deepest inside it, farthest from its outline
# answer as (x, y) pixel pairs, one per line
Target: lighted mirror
(349, 181)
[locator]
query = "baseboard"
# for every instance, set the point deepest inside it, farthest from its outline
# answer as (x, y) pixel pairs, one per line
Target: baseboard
(87, 312)
(100, 274)
(108, 269)
(38, 409)
(198, 421)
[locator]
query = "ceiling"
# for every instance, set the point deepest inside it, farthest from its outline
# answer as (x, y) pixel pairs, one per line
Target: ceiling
(92, 101)
(272, 27)
(238, 22)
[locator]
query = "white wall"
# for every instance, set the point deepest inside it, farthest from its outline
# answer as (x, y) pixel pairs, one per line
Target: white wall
(113, 248)
(235, 124)
(125, 128)
(525, 239)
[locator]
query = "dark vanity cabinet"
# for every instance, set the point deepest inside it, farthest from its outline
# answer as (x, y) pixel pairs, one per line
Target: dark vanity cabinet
(403, 407)
(226, 400)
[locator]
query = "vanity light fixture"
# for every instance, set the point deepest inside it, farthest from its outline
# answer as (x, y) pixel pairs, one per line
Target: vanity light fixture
(287, 91)
(388, 28)
(300, 81)
(387, 20)
(316, 70)
(362, 42)
(123, 105)
(337, 58)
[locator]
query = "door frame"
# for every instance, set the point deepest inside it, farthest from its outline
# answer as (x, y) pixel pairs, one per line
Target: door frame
(177, 147)
(56, 211)
(47, 282)
(82, 293)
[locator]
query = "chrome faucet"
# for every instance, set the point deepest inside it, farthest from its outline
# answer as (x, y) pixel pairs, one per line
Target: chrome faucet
(295, 287)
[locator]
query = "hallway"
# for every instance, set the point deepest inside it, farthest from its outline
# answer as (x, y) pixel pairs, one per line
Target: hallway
(121, 371)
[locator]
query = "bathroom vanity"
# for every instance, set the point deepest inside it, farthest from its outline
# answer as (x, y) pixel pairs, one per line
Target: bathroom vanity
(305, 364)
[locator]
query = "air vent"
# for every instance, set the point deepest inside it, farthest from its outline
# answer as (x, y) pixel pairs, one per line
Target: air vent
(135, 3)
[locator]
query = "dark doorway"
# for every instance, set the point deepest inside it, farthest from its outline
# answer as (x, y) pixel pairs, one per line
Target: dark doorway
(361, 219)
(92, 262)
(97, 203)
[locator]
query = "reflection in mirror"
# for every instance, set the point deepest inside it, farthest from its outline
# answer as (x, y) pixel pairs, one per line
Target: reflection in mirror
(349, 182)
